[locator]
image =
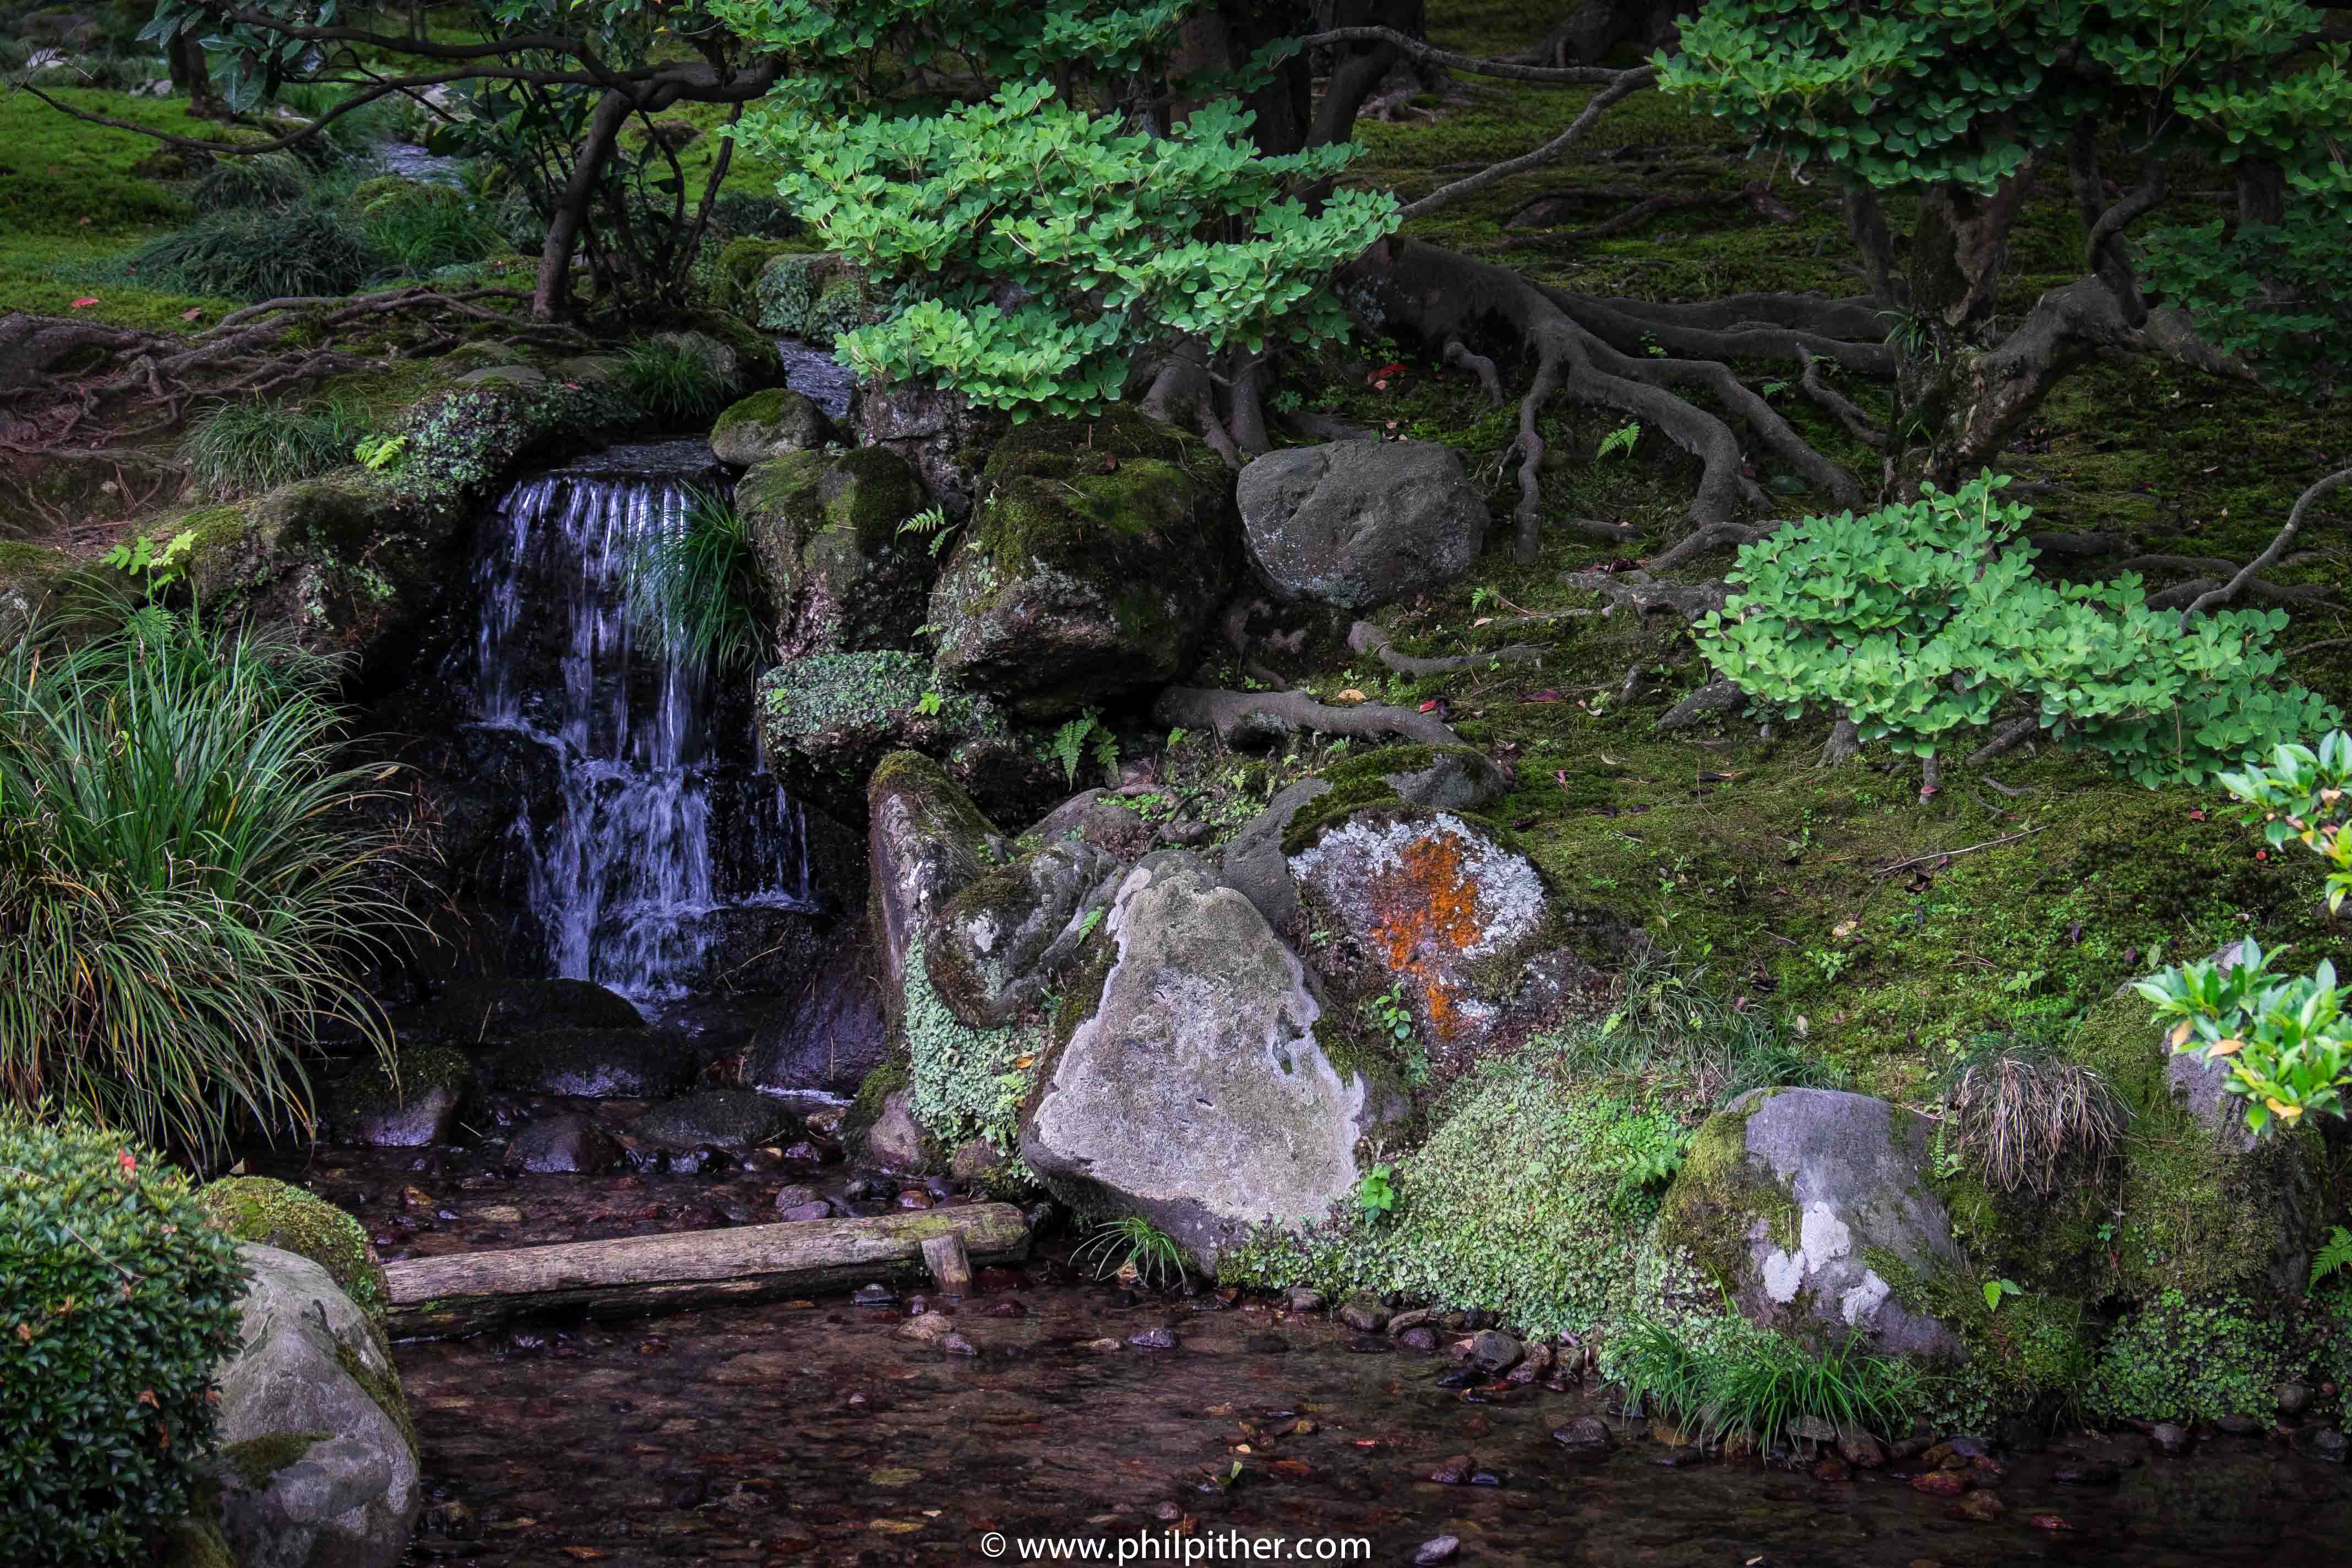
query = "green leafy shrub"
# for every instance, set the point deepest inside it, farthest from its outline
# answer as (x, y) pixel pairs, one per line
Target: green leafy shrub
(1727, 1378)
(258, 253)
(172, 806)
(2273, 294)
(697, 591)
(1924, 620)
(2178, 1359)
(119, 1298)
(242, 448)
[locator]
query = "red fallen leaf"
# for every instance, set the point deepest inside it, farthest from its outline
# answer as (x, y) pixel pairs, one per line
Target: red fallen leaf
(2048, 1522)
(1385, 372)
(2196, 814)
(1546, 695)
(1434, 705)
(1927, 789)
(190, 315)
(84, 302)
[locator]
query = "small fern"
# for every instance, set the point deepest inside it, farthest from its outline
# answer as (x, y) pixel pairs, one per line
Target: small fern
(2335, 1254)
(1624, 438)
(1081, 735)
(932, 525)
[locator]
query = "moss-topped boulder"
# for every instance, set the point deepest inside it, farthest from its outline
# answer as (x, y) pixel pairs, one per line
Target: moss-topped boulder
(767, 425)
(997, 944)
(292, 1219)
(35, 582)
(827, 721)
(1799, 1204)
(1359, 524)
(826, 529)
(722, 1118)
(413, 1105)
(598, 1063)
(1194, 1091)
(1098, 555)
(925, 842)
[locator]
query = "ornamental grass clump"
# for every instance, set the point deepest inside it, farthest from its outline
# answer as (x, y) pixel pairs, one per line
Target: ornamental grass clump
(116, 1300)
(187, 888)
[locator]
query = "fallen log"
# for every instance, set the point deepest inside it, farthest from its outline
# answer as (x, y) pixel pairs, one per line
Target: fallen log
(466, 1292)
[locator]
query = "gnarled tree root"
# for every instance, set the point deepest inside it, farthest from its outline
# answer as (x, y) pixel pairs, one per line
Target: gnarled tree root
(1255, 720)
(1368, 639)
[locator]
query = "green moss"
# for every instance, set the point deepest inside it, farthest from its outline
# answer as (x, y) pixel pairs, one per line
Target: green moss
(887, 1079)
(253, 1461)
(1719, 1193)
(2029, 1357)
(194, 1540)
(278, 1213)
(372, 1090)
(383, 1387)
(968, 1083)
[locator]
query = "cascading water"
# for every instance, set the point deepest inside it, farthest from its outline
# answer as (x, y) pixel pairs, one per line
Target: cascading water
(655, 839)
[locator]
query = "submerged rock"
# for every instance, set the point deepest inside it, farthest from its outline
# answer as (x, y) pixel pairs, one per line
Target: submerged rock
(1091, 569)
(1788, 1197)
(1194, 1091)
(597, 1064)
(568, 1143)
(414, 1105)
(317, 1465)
(722, 1118)
(1359, 524)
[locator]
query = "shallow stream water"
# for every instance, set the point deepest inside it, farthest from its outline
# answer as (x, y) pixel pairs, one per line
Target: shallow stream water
(807, 1431)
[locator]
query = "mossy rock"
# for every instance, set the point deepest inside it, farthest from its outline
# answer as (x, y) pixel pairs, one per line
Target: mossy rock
(414, 1105)
(597, 1064)
(1098, 555)
(825, 531)
(800, 294)
(826, 723)
(291, 1219)
(768, 423)
(738, 270)
(37, 584)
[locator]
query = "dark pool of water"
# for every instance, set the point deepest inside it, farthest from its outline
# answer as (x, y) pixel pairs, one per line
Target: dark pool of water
(810, 1432)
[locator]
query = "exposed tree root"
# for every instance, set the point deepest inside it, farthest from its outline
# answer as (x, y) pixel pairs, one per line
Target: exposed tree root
(2247, 578)
(1644, 596)
(1843, 745)
(1253, 721)
(2006, 739)
(1367, 639)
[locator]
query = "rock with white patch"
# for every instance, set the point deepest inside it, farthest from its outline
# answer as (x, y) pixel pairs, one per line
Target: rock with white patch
(1811, 1207)
(1194, 1093)
(1428, 903)
(995, 945)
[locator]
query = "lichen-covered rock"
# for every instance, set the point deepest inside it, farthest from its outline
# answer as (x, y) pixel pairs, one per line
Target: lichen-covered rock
(827, 721)
(1092, 568)
(1193, 1092)
(317, 1464)
(767, 425)
(414, 1105)
(597, 1064)
(1434, 906)
(825, 528)
(722, 1117)
(925, 842)
(1810, 1207)
(483, 1012)
(293, 1219)
(831, 1033)
(943, 436)
(1359, 524)
(995, 945)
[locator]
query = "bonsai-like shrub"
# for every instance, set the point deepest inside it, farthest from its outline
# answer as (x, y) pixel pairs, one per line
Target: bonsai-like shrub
(118, 1300)
(1923, 621)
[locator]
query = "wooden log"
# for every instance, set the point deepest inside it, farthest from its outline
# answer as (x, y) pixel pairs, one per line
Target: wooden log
(464, 1293)
(951, 1265)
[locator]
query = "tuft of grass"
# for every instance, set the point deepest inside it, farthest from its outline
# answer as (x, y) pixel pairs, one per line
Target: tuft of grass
(1672, 1036)
(250, 253)
(1746, 1382)
(1132, 1246)
(2025, 1116)
(425, 227)
(241, 448)
(673, 381)
(695, 591)
(188, 887)
(265, 180)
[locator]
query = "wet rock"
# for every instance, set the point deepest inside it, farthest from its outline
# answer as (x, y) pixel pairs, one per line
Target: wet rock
(824, 530)
(1266, 1343)
(770, 424)
(1420, 1339)
(830, 1034)
(597, 1064)
(728, 1118)
(1461, 1377)
(1862, 1450)
(1159, 1338)
(415, 1106)
(819, 1209)
(1412, 1319)
(1455, 1471)
(1105, 1346)
(1255, 863)
(564, 1143)
(956, 1345)
(1096, 560)
(925, 842)
(451, 1518)
(2293, 1398)
(927, 1328)
(913, 1198)
(828, 719)
(1940, 1483)
(1984, 1507)
(874, 1293)
(1832, 1469)
(1302, 1300)
(2324, 1444)
(996, 945)
(317, 1467)
(487, 1011)
(1785, 1195)
(1494, 1352)
(1364, 1314)
(1205, 1022)
(499, 1214)
(794, 1195)
(1586, 1437)
(2170, 1439)
(1359, 523)
(1094, 816)
(895, 1140)
(1534, 1366)
(1436, 904)
(1437, 1549)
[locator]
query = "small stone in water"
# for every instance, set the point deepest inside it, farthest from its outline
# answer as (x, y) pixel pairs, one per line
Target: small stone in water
(1438, 1549)
(817, 1210)
(1008, 1310)
(1982, 1506)
(911, 1199)
(2093, 1474)
(1105, 1346)
(1160, 1338)
(874, 1294)
(1369, 1344)
(956, 1345)
(1459, 1377)
(1939, 1483)
(1455, 1471)
(1364, 1314)
(1832, 1469)
(499, 1214)
(1586, 1437)
(1420, 1339)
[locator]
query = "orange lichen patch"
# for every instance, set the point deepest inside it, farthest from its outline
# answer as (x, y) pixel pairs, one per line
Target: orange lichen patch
(1424, 909)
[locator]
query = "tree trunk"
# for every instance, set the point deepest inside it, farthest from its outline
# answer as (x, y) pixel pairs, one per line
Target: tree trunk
(465, 1292)
(1951, 408)
(1594, 29)
(552, 296)
(184, 59)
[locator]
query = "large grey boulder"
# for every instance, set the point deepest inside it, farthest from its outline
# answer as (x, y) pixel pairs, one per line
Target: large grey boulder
(722, 1118)
(1788, 1197)
(1359, 524)
(825, 531)
(995, 945)
(318, 1463)
(1196, 1095)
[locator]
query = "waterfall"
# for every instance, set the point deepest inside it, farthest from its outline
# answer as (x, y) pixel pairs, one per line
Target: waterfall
(658, 829)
